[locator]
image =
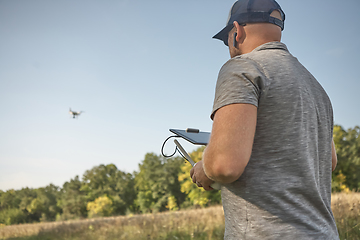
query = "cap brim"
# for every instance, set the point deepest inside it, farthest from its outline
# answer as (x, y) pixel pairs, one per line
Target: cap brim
(224, 34)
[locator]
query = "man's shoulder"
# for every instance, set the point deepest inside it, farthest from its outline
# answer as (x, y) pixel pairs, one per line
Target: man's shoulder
(267, 52)
(240, 63)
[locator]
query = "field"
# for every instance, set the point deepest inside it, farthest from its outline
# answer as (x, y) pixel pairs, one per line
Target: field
(188, 224)
(346, 209)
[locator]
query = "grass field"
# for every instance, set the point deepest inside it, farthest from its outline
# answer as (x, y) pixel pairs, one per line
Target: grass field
(199, 224)
(346, 209)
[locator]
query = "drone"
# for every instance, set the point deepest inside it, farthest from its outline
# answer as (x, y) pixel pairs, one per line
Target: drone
(74, 113)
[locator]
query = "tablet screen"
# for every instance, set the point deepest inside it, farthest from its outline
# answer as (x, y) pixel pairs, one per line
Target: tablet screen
(198, 138)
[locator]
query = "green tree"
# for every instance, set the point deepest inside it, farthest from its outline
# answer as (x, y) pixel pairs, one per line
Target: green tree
(12, 216)
(99, 181)
(10, 213)
(101, 207)
(72, 201)
(172, 204)
(156, 182)
(26, 195)
(195, 195)
(44, 206)
(124, 193)
(338, 183)
(108, 180)
(9, 199)
(148, 183)
(172, 169)
(347, 144)
(29, 205)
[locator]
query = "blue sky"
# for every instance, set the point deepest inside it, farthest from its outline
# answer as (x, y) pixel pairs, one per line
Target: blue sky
(137, 68)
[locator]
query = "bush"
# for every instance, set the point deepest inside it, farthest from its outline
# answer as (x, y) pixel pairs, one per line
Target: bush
(101, 207)
(12, 216)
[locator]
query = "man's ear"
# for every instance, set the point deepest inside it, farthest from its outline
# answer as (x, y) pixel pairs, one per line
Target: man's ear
(239, 30)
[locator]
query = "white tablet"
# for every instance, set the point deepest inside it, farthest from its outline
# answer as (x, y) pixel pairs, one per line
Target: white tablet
(193, 135)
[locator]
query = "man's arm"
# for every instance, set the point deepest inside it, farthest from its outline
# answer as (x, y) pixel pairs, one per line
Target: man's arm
(231, 141)
(333, 153)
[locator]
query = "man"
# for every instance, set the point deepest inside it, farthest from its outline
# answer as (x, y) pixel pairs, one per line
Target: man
(271, 143)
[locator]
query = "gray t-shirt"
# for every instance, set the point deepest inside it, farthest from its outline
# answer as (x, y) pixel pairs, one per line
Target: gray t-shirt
(285, 190)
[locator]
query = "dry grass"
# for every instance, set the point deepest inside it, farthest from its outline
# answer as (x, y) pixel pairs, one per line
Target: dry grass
(147, 226)
(346, 209)
(203, 224)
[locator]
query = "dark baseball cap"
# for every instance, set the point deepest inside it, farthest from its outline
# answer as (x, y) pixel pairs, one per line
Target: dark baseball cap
(251, 11)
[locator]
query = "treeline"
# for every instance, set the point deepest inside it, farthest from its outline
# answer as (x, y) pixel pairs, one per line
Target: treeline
(346, 176)
(162, 184)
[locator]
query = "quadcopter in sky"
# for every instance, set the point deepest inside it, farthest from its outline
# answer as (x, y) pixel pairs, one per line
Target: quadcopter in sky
(74, 113)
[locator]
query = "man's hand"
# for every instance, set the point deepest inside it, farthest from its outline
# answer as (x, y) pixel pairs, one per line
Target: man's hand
(199, 177)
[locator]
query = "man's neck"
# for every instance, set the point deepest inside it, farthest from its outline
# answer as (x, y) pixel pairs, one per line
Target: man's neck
(250, 47)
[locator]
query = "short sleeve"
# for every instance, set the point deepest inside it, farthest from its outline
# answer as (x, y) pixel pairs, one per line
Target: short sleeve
(239, 81)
